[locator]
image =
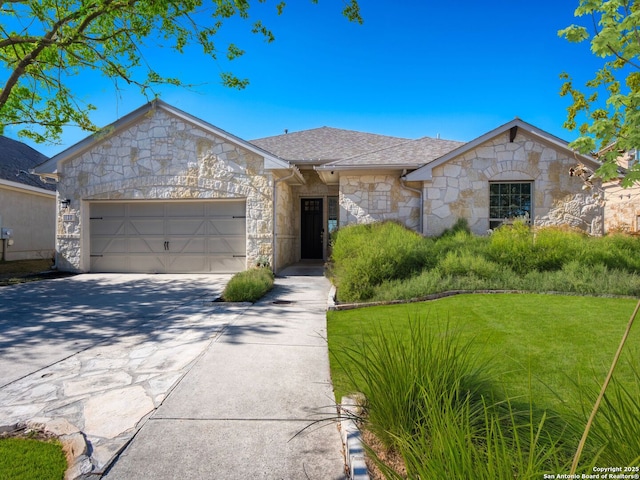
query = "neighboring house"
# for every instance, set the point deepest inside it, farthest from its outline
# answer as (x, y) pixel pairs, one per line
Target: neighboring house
(27, 204)
(622, 204)
(162, 191)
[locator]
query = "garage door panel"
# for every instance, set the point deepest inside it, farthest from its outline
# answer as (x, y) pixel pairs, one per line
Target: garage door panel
(142, 209)
(114, 245)
(228, 226)
(145, 226)
(168, 237)
(233, 245)
(107, 226)
(146, 244)
(187, 226)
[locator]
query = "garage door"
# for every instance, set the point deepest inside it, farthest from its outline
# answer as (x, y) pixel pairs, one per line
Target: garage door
(168, 237)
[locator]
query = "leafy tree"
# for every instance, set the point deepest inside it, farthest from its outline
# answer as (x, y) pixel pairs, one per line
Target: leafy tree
(44, 43)
(607, 111)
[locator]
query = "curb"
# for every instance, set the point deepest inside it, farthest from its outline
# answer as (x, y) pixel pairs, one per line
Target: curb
(351, 439)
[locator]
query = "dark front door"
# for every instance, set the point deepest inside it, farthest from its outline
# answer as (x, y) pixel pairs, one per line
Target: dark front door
(311, 228)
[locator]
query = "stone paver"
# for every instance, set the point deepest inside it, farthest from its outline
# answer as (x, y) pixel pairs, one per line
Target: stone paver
(105, 391)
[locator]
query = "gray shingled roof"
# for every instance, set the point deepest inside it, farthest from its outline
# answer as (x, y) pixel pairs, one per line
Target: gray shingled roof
(324, 144)
(16, 158)
(412, 153)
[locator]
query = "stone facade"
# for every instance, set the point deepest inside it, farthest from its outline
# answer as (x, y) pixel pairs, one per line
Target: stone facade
(375, 197)
(159, 153)
(459, 188)
(622, 208)
(162, 157)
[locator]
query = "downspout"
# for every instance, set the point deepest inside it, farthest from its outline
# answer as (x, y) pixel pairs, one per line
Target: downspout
(274, 247)
(420, 195)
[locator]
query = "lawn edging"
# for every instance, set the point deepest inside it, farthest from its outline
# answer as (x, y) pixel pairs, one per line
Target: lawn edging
(334, 305)
(354, 453)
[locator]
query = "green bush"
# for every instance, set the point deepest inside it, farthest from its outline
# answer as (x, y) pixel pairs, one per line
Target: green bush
(364, 256)
(386, 261)
(512, 245)
(248, 286)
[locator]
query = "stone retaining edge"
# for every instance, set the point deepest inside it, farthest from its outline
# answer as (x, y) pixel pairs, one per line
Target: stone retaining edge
(354, 453)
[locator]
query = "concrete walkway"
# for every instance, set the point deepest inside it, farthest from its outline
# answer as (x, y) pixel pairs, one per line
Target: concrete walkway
(243, 409)
(148, 377)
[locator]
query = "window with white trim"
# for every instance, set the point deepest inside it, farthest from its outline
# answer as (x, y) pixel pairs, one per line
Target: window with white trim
(508, 201)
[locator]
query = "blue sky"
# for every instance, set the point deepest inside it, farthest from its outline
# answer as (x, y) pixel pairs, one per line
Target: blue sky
(413, 69)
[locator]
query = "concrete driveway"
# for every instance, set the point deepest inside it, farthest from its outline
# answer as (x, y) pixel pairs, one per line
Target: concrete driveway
(98, 353)
(147, 377)
(47, 321)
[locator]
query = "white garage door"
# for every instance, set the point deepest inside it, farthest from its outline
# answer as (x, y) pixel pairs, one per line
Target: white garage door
(168, 237)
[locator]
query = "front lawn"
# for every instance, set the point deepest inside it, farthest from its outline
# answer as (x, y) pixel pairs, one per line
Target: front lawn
(540, 358)
(489, 386)
(29, 459)
(557, 340)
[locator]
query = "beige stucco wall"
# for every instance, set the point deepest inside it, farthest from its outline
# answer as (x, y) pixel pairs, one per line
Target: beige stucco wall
(622, 208)
(31, 215)
(372, 197)
(162, 157)
(460, 187)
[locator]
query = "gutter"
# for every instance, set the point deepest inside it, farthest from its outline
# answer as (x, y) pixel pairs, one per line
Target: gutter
(420, 193)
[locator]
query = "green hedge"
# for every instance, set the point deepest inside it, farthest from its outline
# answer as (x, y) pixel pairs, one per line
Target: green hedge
(249, 286)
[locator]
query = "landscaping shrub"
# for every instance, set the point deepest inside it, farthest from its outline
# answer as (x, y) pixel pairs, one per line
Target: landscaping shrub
(248, 286)
(406, 377)
(366, 255)
(386, 261)
(512, 246)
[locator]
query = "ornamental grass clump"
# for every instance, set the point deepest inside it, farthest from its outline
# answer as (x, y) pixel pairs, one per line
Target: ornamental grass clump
(364, 256)
(408, 377)
(249, 286)
(429, 398)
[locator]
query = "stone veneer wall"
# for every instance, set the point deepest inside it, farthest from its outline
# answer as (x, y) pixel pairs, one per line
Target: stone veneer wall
(460, 187)
(622, 208)
(162, 157)
(377, 197)
(286, 239)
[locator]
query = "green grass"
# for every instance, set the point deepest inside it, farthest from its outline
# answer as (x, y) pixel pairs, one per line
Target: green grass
(249, 285)
(491, 386)
(559, 340)
(29, 459)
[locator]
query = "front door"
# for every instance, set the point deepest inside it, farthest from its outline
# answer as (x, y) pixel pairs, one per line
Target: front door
(311, 228)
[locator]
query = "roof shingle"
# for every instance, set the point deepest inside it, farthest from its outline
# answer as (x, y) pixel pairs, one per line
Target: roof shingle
(16, 158)
(325, 144)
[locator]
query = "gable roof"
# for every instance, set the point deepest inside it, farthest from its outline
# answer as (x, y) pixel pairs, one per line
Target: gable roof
(325, 144)
(16, 159)
(425, 172)
(271, 161)
(409, 154)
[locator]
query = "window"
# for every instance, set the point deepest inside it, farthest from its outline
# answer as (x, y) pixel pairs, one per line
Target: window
(508, 201)
(332, 214)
